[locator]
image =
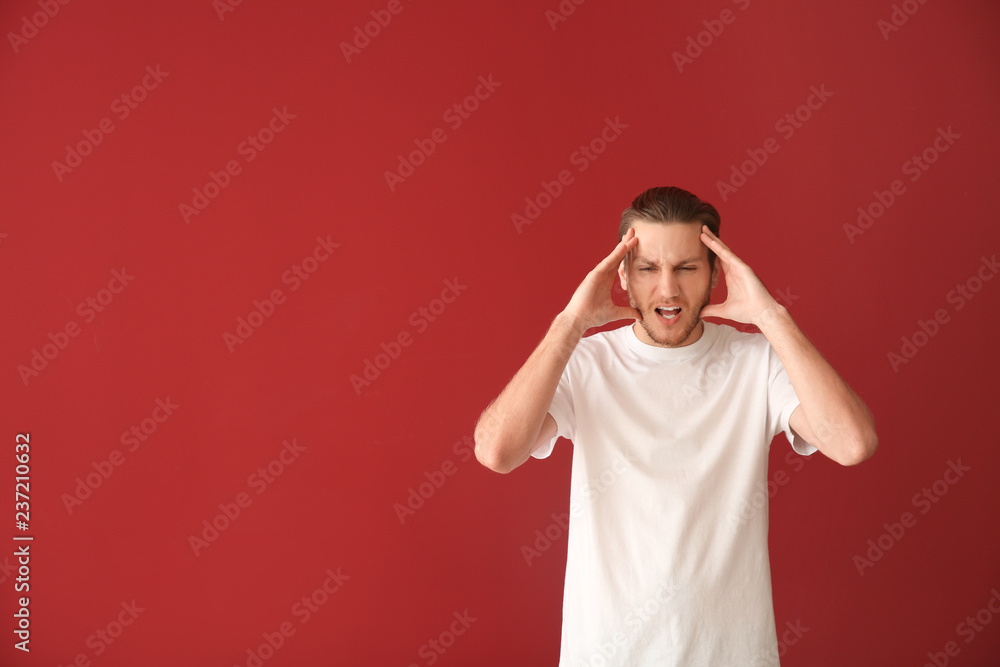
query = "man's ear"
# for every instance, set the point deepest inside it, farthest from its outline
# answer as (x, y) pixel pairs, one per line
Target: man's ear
(715, 271)
(623, 273)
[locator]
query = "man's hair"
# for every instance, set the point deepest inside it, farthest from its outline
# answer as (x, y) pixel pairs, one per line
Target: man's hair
(670, 204)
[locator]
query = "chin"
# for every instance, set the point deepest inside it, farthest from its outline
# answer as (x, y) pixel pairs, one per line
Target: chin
(676, 336)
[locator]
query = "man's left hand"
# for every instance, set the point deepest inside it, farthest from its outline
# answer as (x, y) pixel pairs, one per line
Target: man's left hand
(747, 300)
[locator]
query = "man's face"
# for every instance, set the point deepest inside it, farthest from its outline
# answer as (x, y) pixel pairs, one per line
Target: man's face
(668, 280)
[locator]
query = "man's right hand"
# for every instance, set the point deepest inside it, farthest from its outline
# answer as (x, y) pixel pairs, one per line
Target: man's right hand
(517, 423)
(591, 305)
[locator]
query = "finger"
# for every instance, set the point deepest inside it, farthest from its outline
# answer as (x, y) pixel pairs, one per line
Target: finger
(618, 254)
(626, 313)
(726, 255)
(716, 245)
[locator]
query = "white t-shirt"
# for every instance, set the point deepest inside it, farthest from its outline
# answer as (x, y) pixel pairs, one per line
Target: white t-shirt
(668, 561)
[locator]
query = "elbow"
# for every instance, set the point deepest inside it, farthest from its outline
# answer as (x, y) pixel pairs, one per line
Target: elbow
(490, 453)
(861, 448)
(492, 458)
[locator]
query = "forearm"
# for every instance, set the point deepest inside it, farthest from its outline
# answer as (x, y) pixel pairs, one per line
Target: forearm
(509, 428)
(839, 423)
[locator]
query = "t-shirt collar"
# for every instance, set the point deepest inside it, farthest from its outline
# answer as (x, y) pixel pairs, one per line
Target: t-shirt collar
(672, 354)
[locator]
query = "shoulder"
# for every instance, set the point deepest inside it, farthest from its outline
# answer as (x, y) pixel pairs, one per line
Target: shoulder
(604, 340)
(601, 346)
(730, 340)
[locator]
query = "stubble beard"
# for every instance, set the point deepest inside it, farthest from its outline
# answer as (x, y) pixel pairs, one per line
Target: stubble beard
(683, 334)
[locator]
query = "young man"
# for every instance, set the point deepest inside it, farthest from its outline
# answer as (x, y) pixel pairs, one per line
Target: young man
(671, 420)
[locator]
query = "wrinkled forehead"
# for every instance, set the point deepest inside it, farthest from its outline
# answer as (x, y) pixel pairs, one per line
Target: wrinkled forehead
(670, 242)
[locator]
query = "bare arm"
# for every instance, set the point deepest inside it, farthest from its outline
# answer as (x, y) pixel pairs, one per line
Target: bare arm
(518, 422)
(830, 416)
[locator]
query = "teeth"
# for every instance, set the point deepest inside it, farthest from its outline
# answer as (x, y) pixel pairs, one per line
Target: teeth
(673, 310)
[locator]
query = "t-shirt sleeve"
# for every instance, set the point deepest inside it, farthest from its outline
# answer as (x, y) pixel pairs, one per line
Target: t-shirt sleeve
(561, 410)
(781, 402)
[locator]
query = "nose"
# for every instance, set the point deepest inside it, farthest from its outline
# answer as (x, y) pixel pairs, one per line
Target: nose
(668, 287)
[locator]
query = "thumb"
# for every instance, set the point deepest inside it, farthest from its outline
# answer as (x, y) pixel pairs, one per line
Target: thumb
(713, 310)
(627, 313)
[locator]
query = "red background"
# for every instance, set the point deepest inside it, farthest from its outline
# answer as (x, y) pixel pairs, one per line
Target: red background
(335, 506)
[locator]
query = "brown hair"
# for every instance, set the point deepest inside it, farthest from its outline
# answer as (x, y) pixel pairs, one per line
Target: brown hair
(671, 204)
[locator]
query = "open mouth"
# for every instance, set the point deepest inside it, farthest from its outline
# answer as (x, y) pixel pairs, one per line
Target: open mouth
(669, 313)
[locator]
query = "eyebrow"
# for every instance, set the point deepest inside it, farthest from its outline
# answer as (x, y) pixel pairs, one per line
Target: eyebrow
(689, 260)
